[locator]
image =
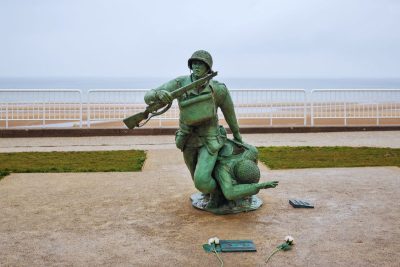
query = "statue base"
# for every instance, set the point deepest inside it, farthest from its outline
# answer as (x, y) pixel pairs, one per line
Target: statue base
(200, 201)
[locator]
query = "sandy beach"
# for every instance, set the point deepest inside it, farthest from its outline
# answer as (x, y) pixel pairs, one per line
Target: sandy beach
(283, 114)
(261, 122)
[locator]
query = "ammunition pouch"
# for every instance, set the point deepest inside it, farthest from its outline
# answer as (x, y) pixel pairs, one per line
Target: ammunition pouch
(197, 110)
(180, 139)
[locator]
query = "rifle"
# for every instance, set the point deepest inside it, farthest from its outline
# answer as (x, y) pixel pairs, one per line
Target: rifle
(136, 119)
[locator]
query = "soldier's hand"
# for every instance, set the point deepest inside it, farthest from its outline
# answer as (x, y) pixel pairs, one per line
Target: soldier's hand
(271, 184)
(164, 96)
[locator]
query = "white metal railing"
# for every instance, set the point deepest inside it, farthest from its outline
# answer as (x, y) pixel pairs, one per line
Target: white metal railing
(269, 104)
(111, 105)
(347, 104)
(66, 108)
(41, 106)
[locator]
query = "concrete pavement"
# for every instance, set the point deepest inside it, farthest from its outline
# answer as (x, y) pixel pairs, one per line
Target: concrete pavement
(367, 138)
(145, 218)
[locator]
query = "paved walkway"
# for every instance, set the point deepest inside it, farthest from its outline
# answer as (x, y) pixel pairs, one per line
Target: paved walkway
(373, 139)
(145, 218)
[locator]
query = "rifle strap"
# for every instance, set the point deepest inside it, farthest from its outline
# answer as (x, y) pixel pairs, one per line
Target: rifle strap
(153, 114)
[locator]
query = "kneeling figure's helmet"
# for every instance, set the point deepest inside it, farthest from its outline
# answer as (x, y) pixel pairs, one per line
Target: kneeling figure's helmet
(246, 172)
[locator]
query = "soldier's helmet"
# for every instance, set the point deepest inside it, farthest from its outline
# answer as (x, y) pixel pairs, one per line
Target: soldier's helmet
(246, 172)
(203, 56)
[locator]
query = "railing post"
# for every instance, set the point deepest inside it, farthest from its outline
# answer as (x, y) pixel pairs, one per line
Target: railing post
(88, 110)
(305, 105)
(44, 115)
(270, 112)
(80, 110)
(377, 113)
(345, 114)
(312, 108)
(270, 118)
(7, 115)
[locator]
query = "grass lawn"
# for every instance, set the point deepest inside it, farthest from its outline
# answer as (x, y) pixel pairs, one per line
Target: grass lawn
(3, 173)
(285, 157)
(92, 161)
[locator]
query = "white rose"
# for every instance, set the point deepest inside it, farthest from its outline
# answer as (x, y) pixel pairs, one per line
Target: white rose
(211, 241)
(216, 240)
(289, 239)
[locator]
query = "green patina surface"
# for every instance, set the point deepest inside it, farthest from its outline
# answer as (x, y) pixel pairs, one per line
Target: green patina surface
(200, 137)
(328, 157)
(91, 161)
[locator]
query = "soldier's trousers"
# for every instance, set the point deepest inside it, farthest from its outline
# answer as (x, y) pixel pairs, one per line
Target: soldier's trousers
(201, 164)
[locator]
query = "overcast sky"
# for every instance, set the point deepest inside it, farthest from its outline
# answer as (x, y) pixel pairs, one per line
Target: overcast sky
(266, 38)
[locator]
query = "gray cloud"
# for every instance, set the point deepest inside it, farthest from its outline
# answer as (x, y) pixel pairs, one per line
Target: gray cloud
(281, 38)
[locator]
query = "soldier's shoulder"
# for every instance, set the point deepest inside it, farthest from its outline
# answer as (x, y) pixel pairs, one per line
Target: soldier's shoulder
(219, 85)
(219, 88)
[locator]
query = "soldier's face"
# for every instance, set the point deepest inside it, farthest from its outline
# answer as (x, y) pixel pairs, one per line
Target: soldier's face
(199, 68)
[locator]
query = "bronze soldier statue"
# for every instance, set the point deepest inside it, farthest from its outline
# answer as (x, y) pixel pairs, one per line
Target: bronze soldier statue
(200, 136)
(224, 170)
